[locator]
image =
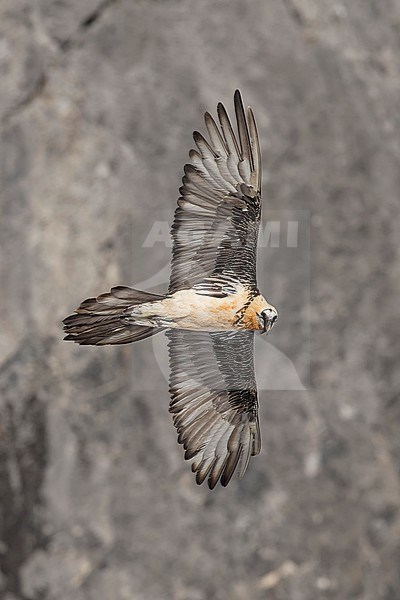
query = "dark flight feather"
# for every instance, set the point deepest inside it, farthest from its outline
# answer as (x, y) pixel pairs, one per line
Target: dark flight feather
(216, 224)
(214, 401)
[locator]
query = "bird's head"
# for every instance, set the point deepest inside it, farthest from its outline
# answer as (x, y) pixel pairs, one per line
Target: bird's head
(267, 318)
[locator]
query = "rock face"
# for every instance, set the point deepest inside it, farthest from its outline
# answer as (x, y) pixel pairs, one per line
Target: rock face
(97, 105)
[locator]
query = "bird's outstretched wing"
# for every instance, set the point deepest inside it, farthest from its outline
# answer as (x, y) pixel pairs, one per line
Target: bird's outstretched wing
(216, 224)
(214, 401)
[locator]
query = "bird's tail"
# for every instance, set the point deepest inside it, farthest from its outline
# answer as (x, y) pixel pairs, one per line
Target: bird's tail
(106, 319)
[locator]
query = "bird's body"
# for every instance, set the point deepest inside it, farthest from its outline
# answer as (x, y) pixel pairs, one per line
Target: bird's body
(187, 309)
(212, 307)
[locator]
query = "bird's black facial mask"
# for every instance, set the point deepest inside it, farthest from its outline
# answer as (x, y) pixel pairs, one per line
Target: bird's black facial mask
(269, 318)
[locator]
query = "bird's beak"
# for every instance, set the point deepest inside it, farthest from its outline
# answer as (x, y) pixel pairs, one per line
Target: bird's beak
(268, 323)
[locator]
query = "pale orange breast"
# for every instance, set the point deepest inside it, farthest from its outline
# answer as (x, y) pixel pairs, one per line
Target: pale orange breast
(194, 311)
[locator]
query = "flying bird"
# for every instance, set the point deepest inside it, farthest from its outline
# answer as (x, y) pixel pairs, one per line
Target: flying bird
(213, 305)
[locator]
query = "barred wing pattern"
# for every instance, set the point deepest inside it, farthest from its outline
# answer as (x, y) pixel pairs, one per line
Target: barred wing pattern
(214, 401)
(216, 224)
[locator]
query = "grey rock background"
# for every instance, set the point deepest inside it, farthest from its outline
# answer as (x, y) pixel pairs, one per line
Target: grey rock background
(98, 100)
